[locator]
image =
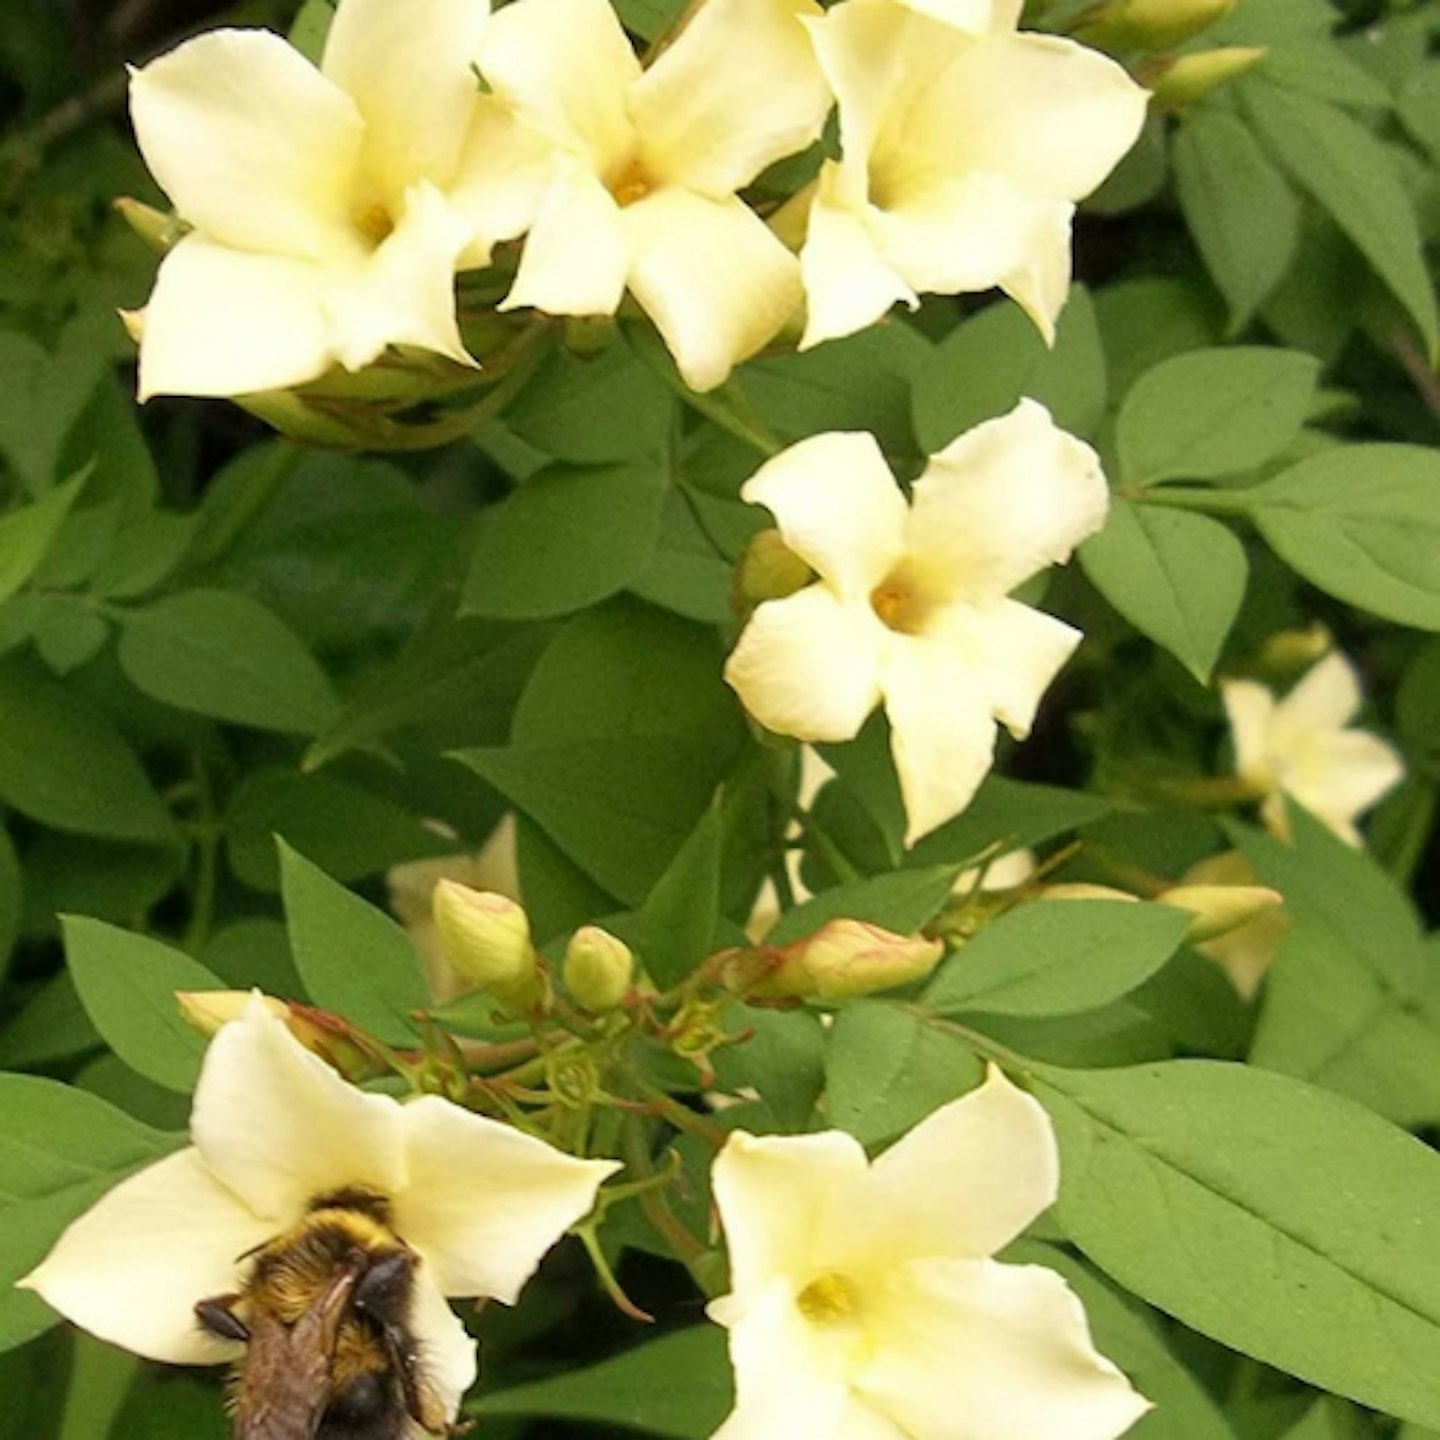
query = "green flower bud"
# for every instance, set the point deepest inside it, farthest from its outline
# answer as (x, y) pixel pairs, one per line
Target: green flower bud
(769, 570)
(1149, 24)
(1187, 78)
(598, 969)
(1220, 909)
(486, 938)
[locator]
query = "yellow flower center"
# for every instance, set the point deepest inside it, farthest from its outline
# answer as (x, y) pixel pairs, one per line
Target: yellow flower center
(830, 1300)
(631, 183)
(375, 224)
(903, 602)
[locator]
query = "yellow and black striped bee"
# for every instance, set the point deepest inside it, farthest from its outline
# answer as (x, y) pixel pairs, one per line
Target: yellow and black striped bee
(324, 1315)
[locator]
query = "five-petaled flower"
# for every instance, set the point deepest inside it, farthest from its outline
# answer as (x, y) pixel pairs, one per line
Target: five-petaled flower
(327, 204)
(864, 1300)
(965, 146)
(1301, 746)
(275, 1130)
(626, 177)
(911, 605)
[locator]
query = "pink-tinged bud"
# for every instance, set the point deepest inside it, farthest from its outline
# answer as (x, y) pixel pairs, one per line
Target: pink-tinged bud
(598, 969)
(486, 938)
(207, 1010)
(843, 959)
(1220, 909)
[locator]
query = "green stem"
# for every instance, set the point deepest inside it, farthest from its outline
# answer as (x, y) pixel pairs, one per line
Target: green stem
(684, 1246)
(681, 1116)
(256, 496)
(207, 865)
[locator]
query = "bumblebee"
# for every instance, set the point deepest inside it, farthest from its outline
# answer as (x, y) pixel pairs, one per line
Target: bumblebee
(324, 1316)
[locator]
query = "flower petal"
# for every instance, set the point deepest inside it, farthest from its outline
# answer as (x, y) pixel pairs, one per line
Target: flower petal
(773, 1193)
(408, 69)
(713, 278)
(485, 1202)
(133, 1266)
(739, 89)
(976, 17)
(1005, 500)
(809, 665)
(280, 1128)
(1049, 115)
(1040, 282)
(404, 294)
(1250, 708)
(1012, 1340)
(564, 67)
(786, 1382)
(447, 1353)
(1016, 651)
(1327, 697)
(504, 172)
(231, 322)
(849, 283)
(577, 255)
(255, 147)
(1338, 775)
(838, 508)
(962, 1184)
(942, 731)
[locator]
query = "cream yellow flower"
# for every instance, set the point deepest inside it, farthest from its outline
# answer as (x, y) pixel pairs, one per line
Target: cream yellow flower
(1246, 951)
(626, 178)
(910, 607)
(864, 1301)
(965, 146)
(274, 1130)
(1302, 746)
(324, 229)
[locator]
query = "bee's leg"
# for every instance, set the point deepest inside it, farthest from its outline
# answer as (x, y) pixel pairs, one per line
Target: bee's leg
(419, 1405)
(217, 1315)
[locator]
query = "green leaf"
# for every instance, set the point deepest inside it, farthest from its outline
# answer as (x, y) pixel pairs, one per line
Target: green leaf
(987, 364)
(12, 899)
(353, 958)
(27, 534)
(310, 27)
(782, 1058)
(223, 654)
(567, 538)
(1213, 412)
(100, 1379)
(350, 831)
(1143, 322)
(1363, 523)
(886, 1069)
(45, 394)
(60, 1151)
(1283, 1221)
(649, 19)
(1012, 811)
(1320, 68)
(1058, 957)
(63, 763)
(1241, 210)
(1348, 172)
(592, 410)
(128, 983)
(678, 1386)
(901, 902)
(676, 925)
(1175, 576)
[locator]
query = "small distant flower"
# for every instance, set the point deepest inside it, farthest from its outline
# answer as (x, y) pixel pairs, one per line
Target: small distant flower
(626, 178)
(323, 224)
(1301, 746)
(965, 146)
(865, 1301)
(911, 606)
(275, 1130)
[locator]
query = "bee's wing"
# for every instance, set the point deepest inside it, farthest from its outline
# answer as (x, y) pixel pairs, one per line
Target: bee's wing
(285, 1378)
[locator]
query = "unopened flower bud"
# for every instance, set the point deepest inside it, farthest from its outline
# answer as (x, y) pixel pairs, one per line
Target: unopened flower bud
(1220, 909)
(207, 1010)
(159, 230)
(1149, 24)
(1187, 78)
(598, 969)
(1080, 890)
(844, 958)
(1289, 652)
(1247, 948)
(486, 938)
(769, 570)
